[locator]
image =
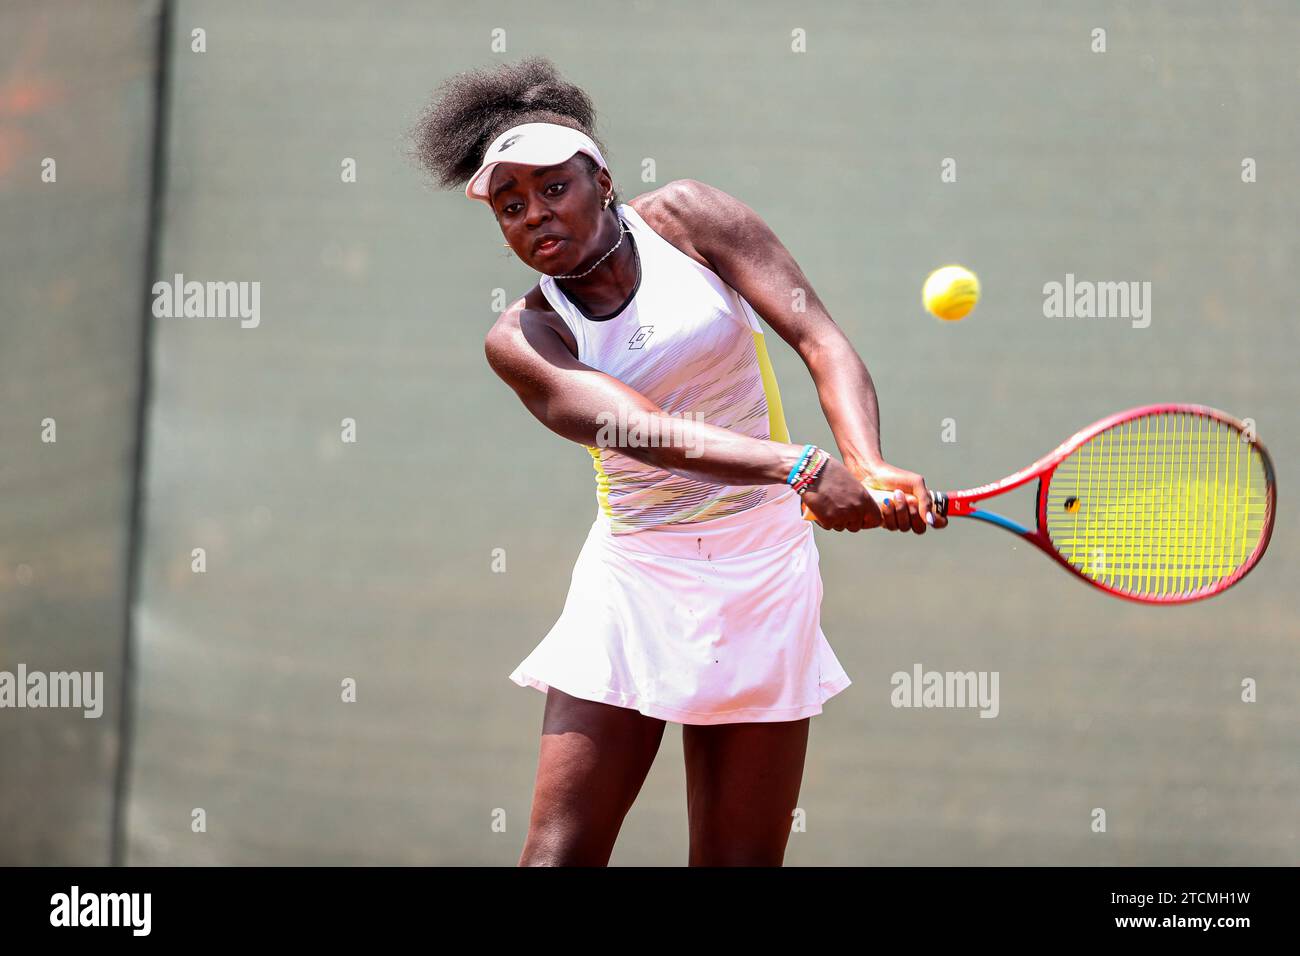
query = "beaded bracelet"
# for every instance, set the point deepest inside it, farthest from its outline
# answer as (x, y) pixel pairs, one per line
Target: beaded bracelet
(809, 466)
(808, 457)
(798, 465)
(806, 466)
(803, 483)
(813, 463)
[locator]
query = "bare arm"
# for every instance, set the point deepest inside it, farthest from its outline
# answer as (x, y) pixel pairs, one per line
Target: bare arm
(578, 402)
(749, 257)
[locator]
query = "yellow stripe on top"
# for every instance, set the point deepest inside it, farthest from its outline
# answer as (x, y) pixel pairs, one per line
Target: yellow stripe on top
(685, 341)
(776, 426)
(775, 412)
(602, 481)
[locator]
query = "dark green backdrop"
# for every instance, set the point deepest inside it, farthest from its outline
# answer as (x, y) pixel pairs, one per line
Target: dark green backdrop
(372, 560)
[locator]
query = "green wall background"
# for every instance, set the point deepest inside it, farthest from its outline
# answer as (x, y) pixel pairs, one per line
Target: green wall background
(371, 560)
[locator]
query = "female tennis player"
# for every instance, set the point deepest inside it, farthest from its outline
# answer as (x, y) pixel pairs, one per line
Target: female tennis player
(696, 597)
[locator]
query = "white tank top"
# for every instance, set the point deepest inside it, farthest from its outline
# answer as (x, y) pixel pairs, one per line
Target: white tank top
(693, 346)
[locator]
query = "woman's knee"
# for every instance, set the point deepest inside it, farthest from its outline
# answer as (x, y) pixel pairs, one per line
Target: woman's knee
(567, 844)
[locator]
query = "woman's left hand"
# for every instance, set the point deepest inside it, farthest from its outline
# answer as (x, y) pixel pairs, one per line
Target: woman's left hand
(907, 508)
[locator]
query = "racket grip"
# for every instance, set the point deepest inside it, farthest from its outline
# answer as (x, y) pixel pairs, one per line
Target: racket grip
(939, 499)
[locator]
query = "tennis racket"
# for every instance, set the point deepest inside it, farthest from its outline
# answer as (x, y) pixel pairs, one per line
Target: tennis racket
(1162, 504)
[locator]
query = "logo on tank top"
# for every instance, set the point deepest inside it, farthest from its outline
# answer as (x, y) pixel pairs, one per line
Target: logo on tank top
(640, 336)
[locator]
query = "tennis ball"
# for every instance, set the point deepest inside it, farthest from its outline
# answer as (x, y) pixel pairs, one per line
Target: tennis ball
(951, 292)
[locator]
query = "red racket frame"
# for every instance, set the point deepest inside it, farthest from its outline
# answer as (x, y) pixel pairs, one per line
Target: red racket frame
(962, 503)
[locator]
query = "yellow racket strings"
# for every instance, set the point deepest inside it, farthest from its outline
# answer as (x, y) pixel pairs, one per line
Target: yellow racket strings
(1164, 504)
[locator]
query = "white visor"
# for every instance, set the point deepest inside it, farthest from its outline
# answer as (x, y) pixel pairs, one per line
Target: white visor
(532, 144)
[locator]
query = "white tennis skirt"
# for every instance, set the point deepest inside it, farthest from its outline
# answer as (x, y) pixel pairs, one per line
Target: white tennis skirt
(710, 623)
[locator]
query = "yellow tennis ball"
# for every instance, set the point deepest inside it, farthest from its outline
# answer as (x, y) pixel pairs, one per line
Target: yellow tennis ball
(951, 292)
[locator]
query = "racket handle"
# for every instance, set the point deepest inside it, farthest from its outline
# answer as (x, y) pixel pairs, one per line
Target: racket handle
(939, 499)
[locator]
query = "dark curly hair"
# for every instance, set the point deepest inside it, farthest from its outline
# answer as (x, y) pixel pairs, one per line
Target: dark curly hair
(471, 109)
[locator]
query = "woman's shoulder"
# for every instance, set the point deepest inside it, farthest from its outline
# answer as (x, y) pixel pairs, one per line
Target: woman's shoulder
(536, 301)
(669, 211)
(535, 307)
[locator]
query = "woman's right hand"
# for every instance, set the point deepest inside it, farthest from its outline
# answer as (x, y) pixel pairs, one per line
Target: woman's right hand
(839, 502)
